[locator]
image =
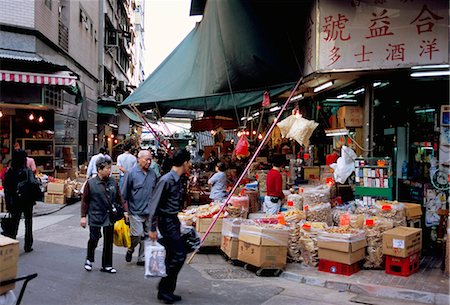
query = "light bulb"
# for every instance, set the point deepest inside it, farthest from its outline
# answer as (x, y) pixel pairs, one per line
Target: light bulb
(115, 141)
(254, 132)
(40, 119)
(260, 136)
(31, 117)
(112, 136)
(1, 114)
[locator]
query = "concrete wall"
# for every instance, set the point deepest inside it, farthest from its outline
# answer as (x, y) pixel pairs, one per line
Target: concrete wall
(17, 12)
(47, 19)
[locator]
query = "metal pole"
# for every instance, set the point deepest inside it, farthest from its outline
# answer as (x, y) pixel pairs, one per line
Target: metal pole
(247, 167)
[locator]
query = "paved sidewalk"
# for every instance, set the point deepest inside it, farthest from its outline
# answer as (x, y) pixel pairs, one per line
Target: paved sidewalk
(429, 285)
(42, 208)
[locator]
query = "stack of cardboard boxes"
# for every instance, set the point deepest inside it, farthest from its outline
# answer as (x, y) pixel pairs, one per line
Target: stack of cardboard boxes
(402, 246)
(214, 237)
(341, 252)
(9, 254)
(230, 237)
(55, 193)
(263, 246)
(413, 212)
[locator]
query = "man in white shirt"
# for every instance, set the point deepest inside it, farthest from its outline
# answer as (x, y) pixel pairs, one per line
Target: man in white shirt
(125, 162)
(92, 168)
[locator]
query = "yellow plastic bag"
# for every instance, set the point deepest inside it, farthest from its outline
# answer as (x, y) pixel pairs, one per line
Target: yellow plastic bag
(122, 234)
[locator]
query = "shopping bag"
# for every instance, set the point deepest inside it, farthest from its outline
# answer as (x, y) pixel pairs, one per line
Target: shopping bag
(122, 234)
(8, 225)
(190, 237)
(155, 259)
(241, 149)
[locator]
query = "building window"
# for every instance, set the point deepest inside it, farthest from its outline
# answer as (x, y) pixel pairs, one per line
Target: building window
(53, 97)
(48, 3)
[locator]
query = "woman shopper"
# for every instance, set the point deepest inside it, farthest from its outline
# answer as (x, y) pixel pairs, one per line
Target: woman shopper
(99, 194)
(274, 182)
(21, 192)
(218, 183)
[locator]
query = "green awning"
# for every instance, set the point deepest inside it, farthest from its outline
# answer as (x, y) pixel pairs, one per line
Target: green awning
(130, 114)
(107, 110)
(227, 61)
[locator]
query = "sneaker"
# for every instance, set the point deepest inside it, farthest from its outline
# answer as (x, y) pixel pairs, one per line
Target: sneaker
(88, 265)
(108, 270)
(128, 256)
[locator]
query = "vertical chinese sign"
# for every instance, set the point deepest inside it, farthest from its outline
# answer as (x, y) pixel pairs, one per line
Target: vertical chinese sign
(381, 34)
(311, 23)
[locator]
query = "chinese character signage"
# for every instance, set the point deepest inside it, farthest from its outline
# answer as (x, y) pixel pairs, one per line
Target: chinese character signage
(376, 34)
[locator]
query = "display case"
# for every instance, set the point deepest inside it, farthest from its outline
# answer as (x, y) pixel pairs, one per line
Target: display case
(42, 151)
(373, 177)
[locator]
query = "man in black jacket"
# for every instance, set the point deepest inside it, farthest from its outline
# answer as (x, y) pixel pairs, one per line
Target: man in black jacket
(167, 202)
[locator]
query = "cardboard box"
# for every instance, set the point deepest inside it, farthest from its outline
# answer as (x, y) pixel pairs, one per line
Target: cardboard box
(262, 256)
(9, 255)
(350, 116)
(231, 227)
(402, 241)
(347, 258)
(263, 236)
(412, 210)
(203, 224)
(54, 198)
(55, 188)
(230, 246)
(342, 246)
(311, 172)
(213, 239)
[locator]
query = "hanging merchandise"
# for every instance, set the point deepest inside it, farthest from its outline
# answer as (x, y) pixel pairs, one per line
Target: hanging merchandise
(275, 137)
(285, 125)
(345, 165)
(241, 149)
(266, 99)
(302, 129)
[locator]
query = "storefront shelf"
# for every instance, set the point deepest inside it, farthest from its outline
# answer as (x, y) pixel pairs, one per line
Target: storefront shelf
(374, 191)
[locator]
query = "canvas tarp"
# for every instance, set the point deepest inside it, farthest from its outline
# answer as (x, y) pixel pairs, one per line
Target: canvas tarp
(227, 61)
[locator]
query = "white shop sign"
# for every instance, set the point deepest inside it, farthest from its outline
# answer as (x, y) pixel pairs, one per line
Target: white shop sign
(376, 34)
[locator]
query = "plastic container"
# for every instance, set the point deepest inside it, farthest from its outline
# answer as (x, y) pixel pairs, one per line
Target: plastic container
(402, 266)
(338, 268)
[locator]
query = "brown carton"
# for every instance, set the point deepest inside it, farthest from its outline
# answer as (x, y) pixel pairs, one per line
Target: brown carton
(342, 246)
(54, 198)
(231, 227)
(213, 239)
(55, 188)
(262, 256)
(9, 254)
(264, 236)
(350, 116)
(402, 241)
(347, 258)
(412, 210)
(230, 246)
(203, 224)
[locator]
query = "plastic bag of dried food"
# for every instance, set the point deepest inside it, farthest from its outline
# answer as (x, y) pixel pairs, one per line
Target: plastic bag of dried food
(294, 252)
(374, 229)
(391, 210)
(155, 255)
(307, 243)
(301, 130)
(315, 195)
(285, 125)
(319, 213)
(297, 201)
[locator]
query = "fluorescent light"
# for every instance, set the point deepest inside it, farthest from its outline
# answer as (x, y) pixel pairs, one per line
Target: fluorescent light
(427, 147)
(359, 91)
(276, 108)
(336, 132)
(443, 66)
(337, 100)
(323, 86)
(297, 97)
(243, 118)
(342, 95)
(249, 118)
(425, 110)
(430, 73)
(376, 84)
(256, 114)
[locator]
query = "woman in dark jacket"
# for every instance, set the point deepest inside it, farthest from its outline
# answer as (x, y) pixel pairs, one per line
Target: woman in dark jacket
(20, 193)
(99, 194)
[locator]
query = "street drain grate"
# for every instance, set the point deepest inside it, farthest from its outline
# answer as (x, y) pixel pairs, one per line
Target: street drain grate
(229, 274)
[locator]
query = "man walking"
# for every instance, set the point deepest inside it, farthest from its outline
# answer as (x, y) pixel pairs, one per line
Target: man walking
(92, 167)
(125, 162)
(137, 190)
(166, 203)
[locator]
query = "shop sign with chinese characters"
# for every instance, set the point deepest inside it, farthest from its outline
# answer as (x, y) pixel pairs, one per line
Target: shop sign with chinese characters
(376, 34)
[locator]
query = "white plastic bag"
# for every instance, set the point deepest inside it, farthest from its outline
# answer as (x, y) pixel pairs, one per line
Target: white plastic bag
(345, 165)
(285, 125)
(301, 130)
(155, 256)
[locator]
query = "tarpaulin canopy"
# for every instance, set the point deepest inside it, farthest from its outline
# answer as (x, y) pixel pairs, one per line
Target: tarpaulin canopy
(228, 60)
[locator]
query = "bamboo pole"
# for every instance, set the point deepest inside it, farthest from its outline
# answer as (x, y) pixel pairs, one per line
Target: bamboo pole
(247, 167)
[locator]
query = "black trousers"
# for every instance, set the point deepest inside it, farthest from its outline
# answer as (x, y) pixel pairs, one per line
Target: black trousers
(94, 236)
(28, 215)
(169, 227)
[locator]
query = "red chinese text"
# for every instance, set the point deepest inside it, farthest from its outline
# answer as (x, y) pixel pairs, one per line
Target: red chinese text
(335, 28)
(380, 25)
(428, 47)
(396, 52)
(334, 55)
(363, 54)
(424, 20)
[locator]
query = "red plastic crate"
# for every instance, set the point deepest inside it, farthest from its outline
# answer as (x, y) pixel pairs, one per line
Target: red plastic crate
(402, 266)
(338, 268)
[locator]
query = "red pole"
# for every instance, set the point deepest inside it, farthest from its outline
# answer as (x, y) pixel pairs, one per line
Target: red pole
(247, 167)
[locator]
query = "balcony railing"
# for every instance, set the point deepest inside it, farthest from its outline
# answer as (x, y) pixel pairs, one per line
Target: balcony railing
(63, 36)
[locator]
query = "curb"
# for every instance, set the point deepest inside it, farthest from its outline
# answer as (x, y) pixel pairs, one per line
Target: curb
(48, 212)
(371, 290)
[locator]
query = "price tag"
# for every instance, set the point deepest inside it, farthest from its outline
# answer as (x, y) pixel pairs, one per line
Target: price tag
(344, 220)
(398, 243)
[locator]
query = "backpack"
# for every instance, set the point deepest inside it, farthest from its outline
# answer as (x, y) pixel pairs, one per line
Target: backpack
(28, 189)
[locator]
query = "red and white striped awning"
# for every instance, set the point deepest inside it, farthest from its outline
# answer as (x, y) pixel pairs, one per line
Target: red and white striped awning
(59, 78)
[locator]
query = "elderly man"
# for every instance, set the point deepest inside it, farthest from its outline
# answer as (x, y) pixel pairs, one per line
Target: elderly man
(137, 191)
